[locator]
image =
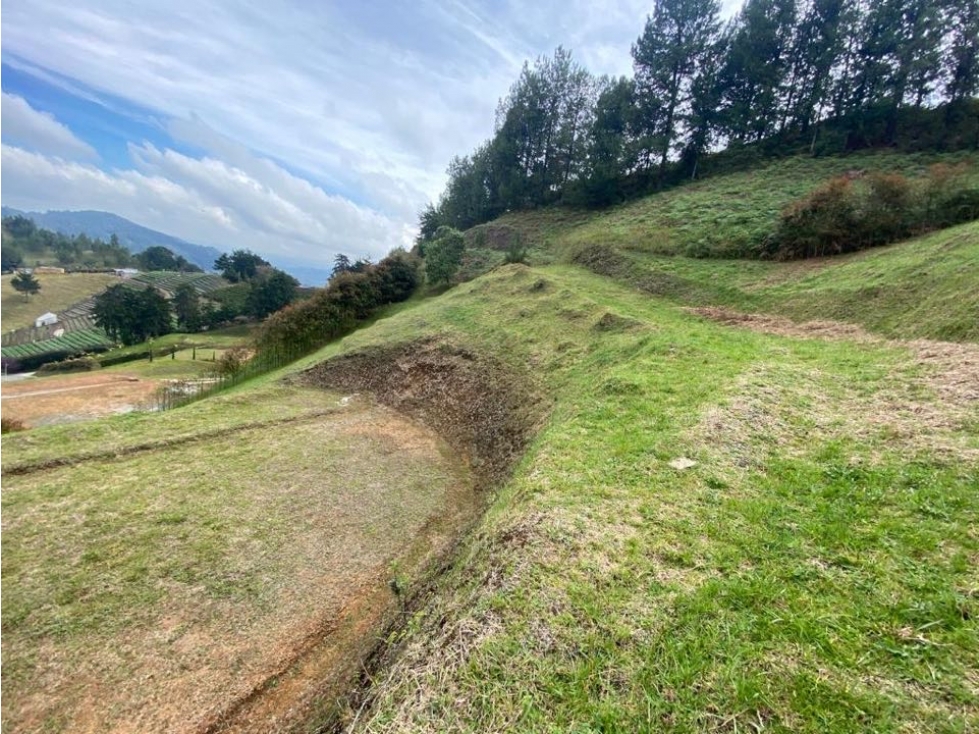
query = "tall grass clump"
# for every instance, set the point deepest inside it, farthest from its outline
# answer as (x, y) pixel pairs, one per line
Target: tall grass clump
(856, 211)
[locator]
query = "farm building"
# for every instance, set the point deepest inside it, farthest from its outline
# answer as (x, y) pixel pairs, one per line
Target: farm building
(46, 319)
(126, 272)
(48, 270)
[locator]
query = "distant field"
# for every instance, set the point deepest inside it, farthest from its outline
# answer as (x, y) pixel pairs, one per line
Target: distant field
(58, 292)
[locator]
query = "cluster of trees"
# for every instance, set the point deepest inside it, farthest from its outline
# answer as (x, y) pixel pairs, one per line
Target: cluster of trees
(259, 289)
(348, 298)
(24, 243)
(130, 315)
(782, 75)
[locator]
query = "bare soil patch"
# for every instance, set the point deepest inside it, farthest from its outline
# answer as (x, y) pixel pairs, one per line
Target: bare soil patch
(47, 401)
(485, 410)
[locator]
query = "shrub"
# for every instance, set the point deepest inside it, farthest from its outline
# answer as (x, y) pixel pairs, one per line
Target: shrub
(819, 224)
(232, 362)
(77, 364)
(516, 251)
(889, 209)
(9, 425)
(443, 255)
(842, 216)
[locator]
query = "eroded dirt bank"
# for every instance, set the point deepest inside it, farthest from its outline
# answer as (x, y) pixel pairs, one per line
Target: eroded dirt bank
(480, 407)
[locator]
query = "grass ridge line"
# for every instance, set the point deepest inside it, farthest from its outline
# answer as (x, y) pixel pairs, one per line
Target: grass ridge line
(37, 466)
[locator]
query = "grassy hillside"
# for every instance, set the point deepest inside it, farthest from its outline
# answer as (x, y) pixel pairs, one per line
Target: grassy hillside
(721, 522)
(58, 292)
(920, 288)
(718, 216)
(813, 569)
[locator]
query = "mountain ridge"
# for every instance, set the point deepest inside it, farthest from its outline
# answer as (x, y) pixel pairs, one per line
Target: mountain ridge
(102, 225)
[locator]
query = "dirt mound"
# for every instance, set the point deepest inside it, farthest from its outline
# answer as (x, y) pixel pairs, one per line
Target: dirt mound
(614, 322)
(484, 409)
(607, 261)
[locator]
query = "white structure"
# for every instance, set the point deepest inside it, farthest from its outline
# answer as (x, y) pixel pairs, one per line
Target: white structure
(126, 272)
(47, 319)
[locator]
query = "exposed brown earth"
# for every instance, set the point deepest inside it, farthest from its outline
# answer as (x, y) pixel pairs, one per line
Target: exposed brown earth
(352, 491)
(64, 399)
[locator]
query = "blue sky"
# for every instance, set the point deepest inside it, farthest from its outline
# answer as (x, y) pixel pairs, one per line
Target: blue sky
(297, 129)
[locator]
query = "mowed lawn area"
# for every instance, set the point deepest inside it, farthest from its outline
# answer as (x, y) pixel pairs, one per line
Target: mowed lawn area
(57, 293)
(159, 571)
(724, 526)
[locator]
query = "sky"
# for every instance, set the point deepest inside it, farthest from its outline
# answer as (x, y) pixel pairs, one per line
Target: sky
(297, 129)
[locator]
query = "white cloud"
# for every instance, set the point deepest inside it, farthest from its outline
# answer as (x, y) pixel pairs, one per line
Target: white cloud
(206, 201)
(369, 103)
(40, 131)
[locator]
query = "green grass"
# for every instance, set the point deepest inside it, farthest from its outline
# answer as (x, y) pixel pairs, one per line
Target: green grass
(203, 549)
(57, 293)
(815, 571)
(722, 215)
(922, 288)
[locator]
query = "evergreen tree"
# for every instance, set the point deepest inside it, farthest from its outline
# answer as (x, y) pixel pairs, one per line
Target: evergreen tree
(187, 307)
(27, 284)
(341, 264)
(132, 316)
(240, 265)
(610, 155)
(752, 79)
(443, 256)
(962, 59)
(668, 53)
(816, 51)
(271, 291)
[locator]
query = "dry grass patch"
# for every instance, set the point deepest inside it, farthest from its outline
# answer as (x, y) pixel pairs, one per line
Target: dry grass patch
(185, 589)
(58, 292)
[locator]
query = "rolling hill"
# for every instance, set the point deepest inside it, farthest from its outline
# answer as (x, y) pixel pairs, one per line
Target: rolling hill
(102, 225)
(714, 495)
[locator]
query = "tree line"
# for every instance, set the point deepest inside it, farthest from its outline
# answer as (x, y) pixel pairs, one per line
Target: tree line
(782, 76)
(131, 315)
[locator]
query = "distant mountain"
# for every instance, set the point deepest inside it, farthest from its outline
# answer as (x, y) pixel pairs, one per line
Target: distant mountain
(102, 225)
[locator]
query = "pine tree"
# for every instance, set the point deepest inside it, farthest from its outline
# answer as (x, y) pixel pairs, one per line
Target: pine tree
(665, 57)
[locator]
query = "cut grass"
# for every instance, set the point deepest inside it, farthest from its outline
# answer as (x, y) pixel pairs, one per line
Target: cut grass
(922, 288)
(57, 293)
(816, 569)
(159, 589)
(721, 215)
(809, 573)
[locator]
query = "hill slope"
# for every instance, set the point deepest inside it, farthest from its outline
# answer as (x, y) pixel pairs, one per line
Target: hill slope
(57, 293)
(719, 522)
(103, 225)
